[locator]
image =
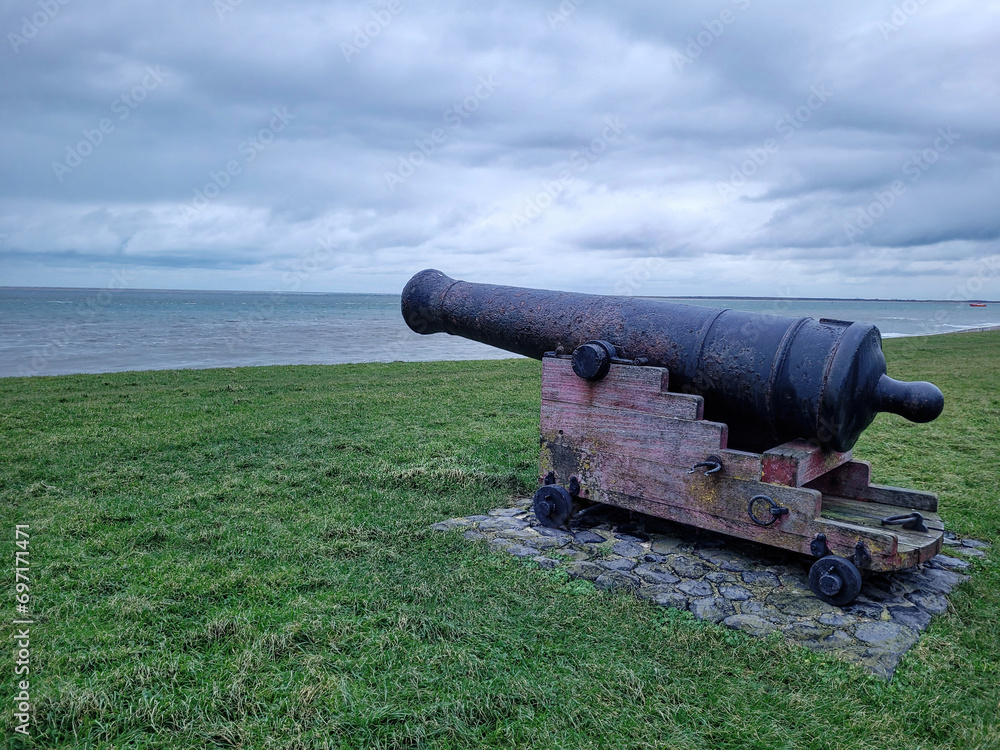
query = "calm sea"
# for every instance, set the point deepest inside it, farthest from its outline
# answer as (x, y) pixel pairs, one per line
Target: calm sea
(61, 331)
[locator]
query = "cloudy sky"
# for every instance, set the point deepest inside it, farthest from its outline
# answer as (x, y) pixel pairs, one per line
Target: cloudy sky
(726, 147)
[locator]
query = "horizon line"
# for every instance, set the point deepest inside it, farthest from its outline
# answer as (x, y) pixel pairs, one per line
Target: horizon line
(396, 294)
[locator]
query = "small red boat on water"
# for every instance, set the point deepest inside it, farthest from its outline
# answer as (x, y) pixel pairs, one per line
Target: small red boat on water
(977, 304)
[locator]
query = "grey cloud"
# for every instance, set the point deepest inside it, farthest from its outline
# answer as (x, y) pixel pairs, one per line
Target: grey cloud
(77, 259)
(700, 87)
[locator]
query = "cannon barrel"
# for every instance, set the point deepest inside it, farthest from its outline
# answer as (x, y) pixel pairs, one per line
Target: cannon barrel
(770, 378)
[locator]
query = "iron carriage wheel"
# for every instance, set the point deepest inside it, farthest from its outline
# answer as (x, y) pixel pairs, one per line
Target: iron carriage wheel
(553, 506)
(835, 580)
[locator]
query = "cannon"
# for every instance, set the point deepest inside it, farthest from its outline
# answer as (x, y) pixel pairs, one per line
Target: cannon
(734, 422)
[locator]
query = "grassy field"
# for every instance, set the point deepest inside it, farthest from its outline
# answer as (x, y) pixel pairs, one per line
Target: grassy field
(241, 558)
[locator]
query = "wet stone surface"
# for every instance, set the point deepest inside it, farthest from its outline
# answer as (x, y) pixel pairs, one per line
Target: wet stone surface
(749, 587)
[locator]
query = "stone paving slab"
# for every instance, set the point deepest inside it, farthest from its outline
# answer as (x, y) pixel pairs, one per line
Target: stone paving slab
(738, 584)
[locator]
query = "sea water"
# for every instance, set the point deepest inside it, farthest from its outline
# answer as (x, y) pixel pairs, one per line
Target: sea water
(61, 331)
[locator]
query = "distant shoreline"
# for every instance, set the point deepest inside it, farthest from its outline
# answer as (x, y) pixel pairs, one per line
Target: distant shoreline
(845, 299)
(393, 294)
(981, 329)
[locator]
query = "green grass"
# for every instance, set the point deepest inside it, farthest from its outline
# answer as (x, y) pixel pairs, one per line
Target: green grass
(241, 558)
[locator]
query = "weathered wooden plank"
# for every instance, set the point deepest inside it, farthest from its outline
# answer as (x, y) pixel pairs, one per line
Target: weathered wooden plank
(798, 461)
(871, 514)
(900, 497)
(904, 543)
(703, 519)
(740, 464)
(906, 547)
(718, 503)
(564, 463)
(883, 547)
(625, 387)
(649, 379)
(841, 537)
(844, 481)
(664, 440)
(715, 495)
(852, 480)
(654, 486)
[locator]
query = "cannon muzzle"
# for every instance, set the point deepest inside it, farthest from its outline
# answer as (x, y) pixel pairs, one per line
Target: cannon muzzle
(770, 378)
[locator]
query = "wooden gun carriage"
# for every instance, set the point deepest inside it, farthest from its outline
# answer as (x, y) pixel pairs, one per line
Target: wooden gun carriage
(753, 439)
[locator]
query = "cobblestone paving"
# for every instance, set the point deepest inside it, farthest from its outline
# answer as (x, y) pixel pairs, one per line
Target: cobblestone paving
(741, 585)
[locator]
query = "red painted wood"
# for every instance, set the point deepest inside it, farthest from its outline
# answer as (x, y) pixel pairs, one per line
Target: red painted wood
(841, 537)
(703, 519)
(719, 503)
(716, 495)
(628, 443)
(798, 461)
(848, 480)
(664, 440)
(625, 387)
(740, 464)
(654, 488)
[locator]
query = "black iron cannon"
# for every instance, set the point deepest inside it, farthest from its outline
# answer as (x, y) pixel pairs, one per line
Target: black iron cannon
(770, 378)
(738, 423)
